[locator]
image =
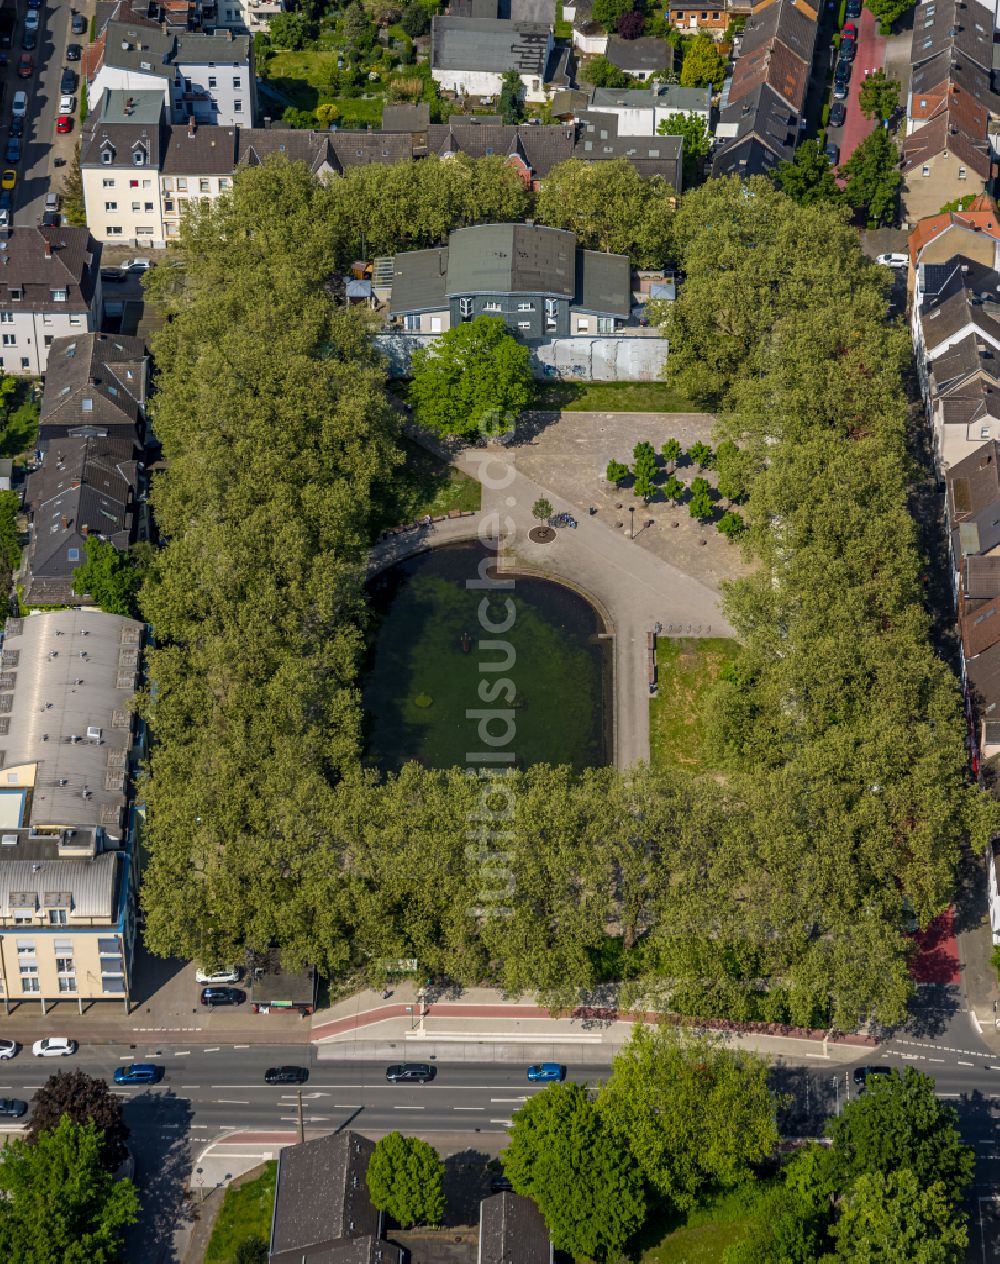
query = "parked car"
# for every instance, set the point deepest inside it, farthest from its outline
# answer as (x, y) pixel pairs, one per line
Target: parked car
(842, 71)
(853, 9)
(12, 1108)
(410, 1073)
(863, 1074)
(137, 1073)
(17, 128)
(8, 178)
(893, 260)
(838, 113)
(25, 66)
(545, 1072)
(53, 1047)
(29, 41)
(8, 1049)
(849, 49)
(840, 90)
(212, 996)
(73, 52)
(19, 106)
(13, 151)
(832, 152)
(79, 24)
(68, 81)
(32, 20)
(500, 1184)
(286, 1075)
(67, 104)
(229, 974)
(51, 219)
(34, 4)
(848, 32)
(64, 124)
(137, 265)
(113, 274)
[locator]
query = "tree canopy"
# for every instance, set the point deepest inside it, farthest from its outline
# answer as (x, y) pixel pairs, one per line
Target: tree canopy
(406, 1178)
(82, 1097)
(703, 65)
(873, 177)
(878, 95)
(109, 577)
(61, 1206)
(475, 379)
(697, 142)
(583, 1181)
(807, 177)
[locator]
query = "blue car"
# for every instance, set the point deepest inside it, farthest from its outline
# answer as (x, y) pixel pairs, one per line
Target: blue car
(137, 1073)
(13, 151)
(545, 1072)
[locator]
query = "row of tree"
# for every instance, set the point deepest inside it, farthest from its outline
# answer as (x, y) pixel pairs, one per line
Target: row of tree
(837, 708)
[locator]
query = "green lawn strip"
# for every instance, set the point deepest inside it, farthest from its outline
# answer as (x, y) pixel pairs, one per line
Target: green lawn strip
(706, 1232)
(357, 109)
(686, 667)
(424, 484)
(611, 397)
(245, 1213)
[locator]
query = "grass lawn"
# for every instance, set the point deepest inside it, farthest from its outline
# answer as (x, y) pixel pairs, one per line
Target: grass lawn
(245, 1213)
(705, 1235)
(20, 434)
(612, 397)
(686, 667)
(426, 485)
(358, 109)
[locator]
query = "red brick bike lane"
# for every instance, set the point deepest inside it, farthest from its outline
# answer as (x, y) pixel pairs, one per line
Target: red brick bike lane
(869, 57)
(936, 958)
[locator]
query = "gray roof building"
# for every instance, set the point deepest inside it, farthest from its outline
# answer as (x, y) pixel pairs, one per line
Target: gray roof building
(124, 124)
(664, 96)
(83, 487)
(67, 683)
(642, 56)
(322, 1211)
(759, 131)
(598, 141)
(489, 44)
(406, 118)
(512, 1231)
(974, 501)
(95, 384)
(49, 270)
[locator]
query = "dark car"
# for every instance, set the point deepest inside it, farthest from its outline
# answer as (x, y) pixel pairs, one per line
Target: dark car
(13, 151)
(838, 113)
(848, 50)
(6, 200)
(212, 996)
(113, 274)
(29, 41)
(51, 219)
(286, 1075)
(12, 1108)
(410, 1073)
(79, 24)
(34, 4)
(25, 66)
(17, 128)
(863, 1074)
(853, 9)
(842, 73)
(68, 81)
(137, 1073)
(832, 152)
(73, 52)
(500, 1184)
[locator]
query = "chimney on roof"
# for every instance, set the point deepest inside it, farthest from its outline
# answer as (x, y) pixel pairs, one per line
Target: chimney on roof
(64, 523)
(84, 530)
(192, 125)
(48, 248)
(91, 380)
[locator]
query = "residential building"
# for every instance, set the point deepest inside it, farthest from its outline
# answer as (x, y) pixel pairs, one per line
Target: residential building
(50, 286)
(641, 58)
(599, 140)
(589, 37)
(70, 741)
(83, 488)
(512, 1228)
(536, 278)
(322, 1209)
(209, 76)
(973, 233)
(96, 386)
(993, 854)
(713, 20)
(763, 104)
(640, 111)
(245, 16)
(469, 56)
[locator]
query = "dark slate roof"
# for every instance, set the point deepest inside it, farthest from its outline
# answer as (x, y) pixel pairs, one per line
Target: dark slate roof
(603, 283)
(420, 281)
(766, 133)
(83, 487)
(512, 259)
(598, 141)
(512, 1231)
(981, 577)
(974, 482)
(647, 53)
(199, 151)
(539, 148)
(473, 8)
(321, 1197)
(946, 24)
(793, 23)
(939, 278)
(38, 261)
(540, 12)
(97, 382)
(955, 309)
(360, 149)
(983, 675)
(488, 44)
(141, 49)
(406, 118)
(123, 122)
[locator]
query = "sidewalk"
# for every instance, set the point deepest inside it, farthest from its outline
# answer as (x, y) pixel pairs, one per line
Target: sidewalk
(480, 1025)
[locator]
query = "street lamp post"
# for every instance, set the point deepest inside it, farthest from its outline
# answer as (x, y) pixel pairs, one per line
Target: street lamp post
(631, 522)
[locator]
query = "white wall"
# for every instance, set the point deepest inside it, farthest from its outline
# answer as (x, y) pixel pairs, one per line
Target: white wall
(26, 337)
(611, 359)
(595, 44)
(226, 84)
(110, 77)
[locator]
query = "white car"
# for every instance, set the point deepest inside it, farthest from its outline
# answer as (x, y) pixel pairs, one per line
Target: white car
(231, 974)
(136, 265)
(19, 105)
(893, 261)
(53, 1047)
(32, 20)
(67, 104)
(8, 1049)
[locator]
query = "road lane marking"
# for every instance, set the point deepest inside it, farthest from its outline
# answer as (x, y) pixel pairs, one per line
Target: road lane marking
(214, 1049)
(936, 1094)
(961, 1063)
(502, 1121)
(409, 1108)
(241, 1046)
(229, 1101)
(182, 1053)
(468, 1107)
(125, 1058)
(935, 1059)
(199, 1125)
(508, 1099)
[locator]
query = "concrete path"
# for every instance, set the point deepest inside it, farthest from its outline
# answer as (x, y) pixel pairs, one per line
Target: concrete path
(631, 587)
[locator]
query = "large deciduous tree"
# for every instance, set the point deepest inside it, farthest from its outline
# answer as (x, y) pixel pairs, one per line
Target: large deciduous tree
(807, 176)
(476, 379)
(406, 1178)
(693, 129)
(873, 177)
(703, 65)
(582, 1179)
(110, 578)
(60, 1204)
(878, 96)
(82, 1097)
(889, 1216)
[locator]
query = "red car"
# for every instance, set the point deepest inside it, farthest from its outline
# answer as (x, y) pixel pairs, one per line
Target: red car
(64, 124)
(849, 32)
(25, 66)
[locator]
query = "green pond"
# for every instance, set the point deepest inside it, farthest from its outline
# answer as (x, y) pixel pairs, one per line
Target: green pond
(545, 679)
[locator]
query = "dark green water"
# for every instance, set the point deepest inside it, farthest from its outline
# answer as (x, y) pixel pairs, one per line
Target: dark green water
(427, 646)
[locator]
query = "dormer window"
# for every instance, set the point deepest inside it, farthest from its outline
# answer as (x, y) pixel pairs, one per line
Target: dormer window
(58, 296)
(138, 156)
(87, 404)
(107, 155)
